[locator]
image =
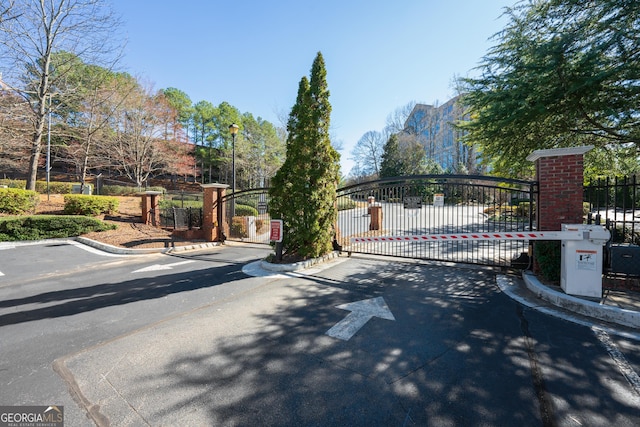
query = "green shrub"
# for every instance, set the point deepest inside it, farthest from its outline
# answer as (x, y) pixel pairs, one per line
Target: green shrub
(55, 187)
(239, 227)
(117, 190)
(126, 190)
(547, 254)
(80, 204)
(17, 201)
(522, 209)
(14, 183)
(39, 227)
(156, 188)
(622, 234)
(345, 203)
(246, 210)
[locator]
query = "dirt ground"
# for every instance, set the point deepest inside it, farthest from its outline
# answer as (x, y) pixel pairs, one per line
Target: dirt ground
(131, 232)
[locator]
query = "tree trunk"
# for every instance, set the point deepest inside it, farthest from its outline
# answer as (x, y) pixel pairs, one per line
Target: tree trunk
(36, 148)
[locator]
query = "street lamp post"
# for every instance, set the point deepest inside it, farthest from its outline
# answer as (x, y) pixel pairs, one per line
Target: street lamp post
(233, 128)
(48, 148)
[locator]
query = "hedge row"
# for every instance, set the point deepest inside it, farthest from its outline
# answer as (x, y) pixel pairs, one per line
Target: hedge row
(48, 227)
(79, 204)
(67, 187)
(123, 190)
(16, 201)
(41, 186)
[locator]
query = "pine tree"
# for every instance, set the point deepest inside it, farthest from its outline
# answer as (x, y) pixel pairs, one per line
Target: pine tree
(303, 192)
(391, 163)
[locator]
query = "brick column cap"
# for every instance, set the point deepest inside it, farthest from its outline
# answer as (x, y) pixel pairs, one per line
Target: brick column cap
(553, 152)
(214, 185)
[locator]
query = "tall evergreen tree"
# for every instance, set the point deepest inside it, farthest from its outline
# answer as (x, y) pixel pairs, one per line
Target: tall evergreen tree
(404, 155)
(391, 164)
(303, 193)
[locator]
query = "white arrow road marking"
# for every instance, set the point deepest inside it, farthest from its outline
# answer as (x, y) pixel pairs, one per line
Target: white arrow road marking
(158, 267)
(1, 273)
(361, 312)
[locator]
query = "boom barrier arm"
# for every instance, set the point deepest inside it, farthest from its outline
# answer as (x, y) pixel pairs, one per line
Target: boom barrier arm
(542, 235)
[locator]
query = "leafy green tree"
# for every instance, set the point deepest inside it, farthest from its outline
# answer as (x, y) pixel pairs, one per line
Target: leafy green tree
(182, 107)
(391, 161)
(303, 192)
(404, 155)
(264, 153)
(205, 133)
(226, 114)
(563, 73)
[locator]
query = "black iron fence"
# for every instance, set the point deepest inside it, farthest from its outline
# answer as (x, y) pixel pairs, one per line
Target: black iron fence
(615, 203)
(181, 218)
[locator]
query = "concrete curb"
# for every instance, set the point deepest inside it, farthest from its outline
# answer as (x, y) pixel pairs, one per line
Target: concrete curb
(129, 251)
(282, 268)
(593, 309)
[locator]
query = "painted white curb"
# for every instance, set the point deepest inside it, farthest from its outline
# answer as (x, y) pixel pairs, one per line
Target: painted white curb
(593, 309)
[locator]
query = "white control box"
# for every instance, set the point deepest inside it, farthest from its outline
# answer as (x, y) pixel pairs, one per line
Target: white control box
(581, 263)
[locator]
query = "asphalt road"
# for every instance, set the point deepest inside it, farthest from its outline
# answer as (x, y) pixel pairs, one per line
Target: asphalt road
(195, 340)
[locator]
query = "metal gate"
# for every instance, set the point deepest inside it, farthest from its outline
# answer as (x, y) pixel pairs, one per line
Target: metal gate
(247, 215)
(412, 205)
(438, 204)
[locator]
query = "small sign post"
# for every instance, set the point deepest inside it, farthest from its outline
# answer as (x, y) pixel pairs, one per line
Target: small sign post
(412, 202)
(275, 235)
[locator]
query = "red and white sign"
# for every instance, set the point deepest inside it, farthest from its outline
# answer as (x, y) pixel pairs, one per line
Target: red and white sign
(275, 234)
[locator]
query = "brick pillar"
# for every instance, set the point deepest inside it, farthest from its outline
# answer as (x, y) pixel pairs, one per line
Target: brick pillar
(376, 218)
(150, 211)
(212, 211)
(560, 176)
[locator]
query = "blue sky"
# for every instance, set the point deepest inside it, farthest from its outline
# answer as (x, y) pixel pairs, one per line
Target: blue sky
(379, 54)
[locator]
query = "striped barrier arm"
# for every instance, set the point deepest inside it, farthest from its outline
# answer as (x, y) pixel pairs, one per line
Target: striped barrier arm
(541, 235)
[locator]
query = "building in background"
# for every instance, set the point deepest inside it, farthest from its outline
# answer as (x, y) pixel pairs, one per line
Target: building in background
(433, 127)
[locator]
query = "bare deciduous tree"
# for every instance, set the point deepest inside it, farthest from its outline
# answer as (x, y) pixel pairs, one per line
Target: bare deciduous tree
(367, 153)
(38, 30)
(396, 121)
(14, 131)
(136, 145)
